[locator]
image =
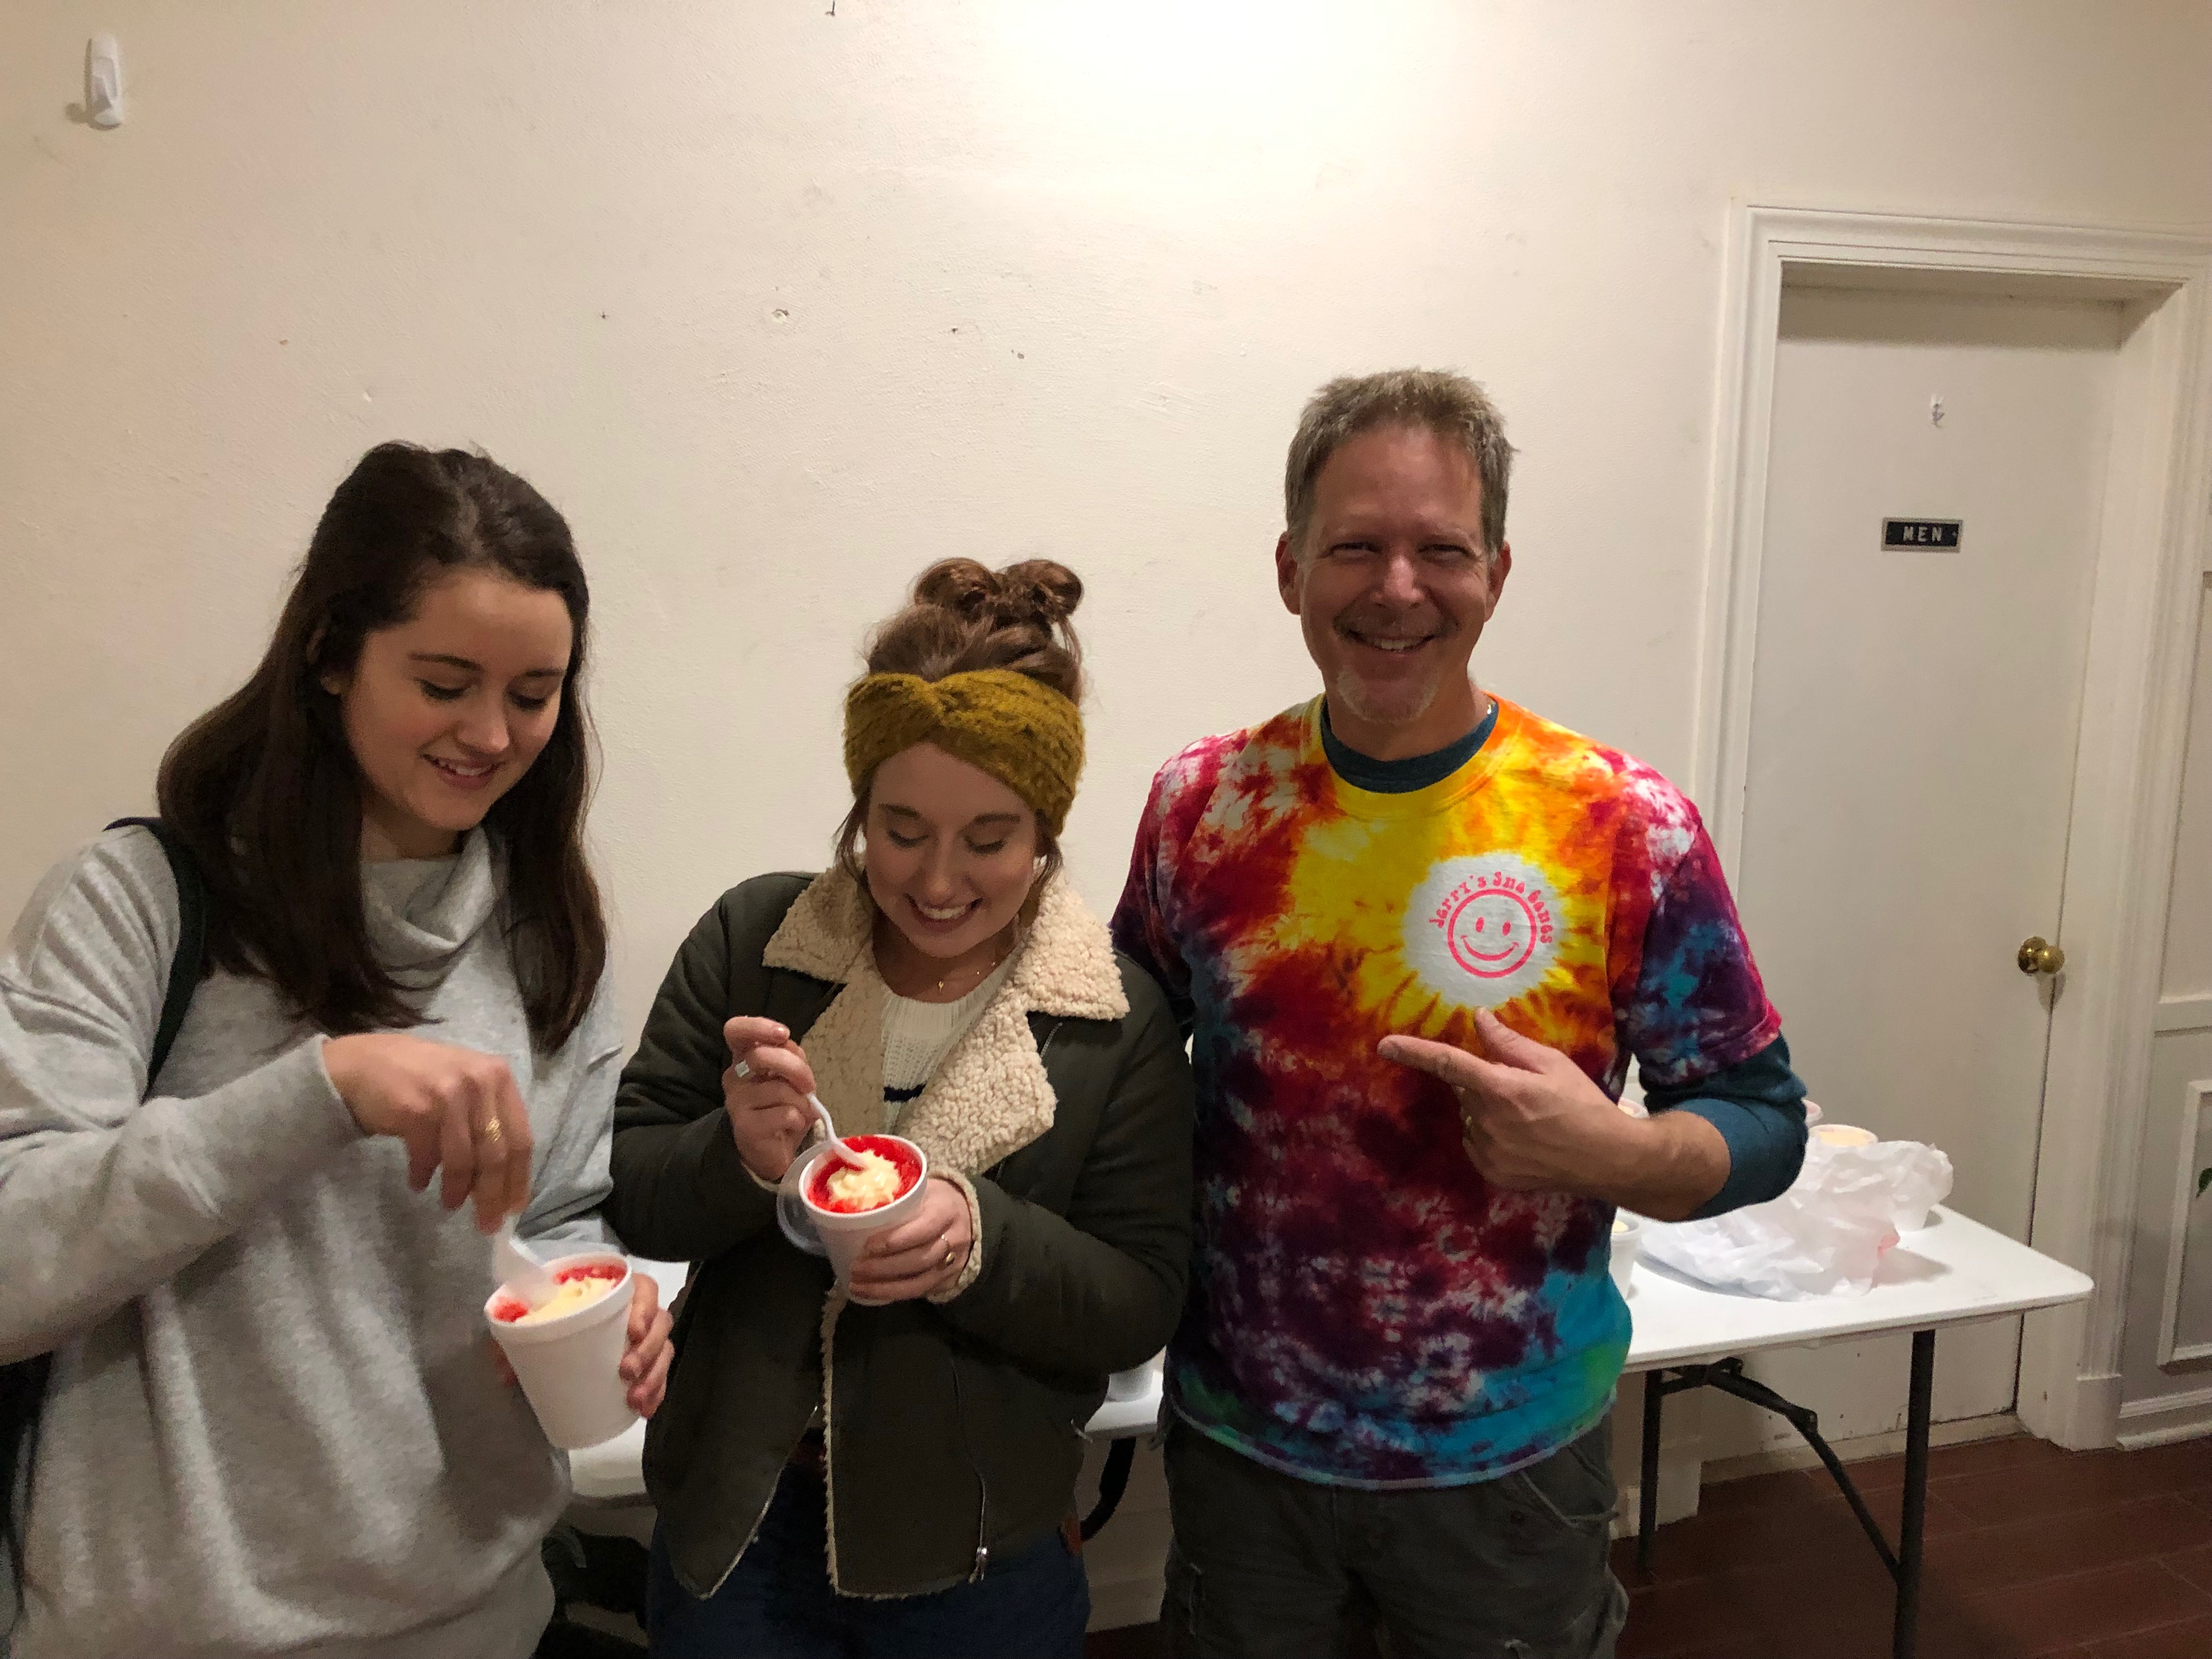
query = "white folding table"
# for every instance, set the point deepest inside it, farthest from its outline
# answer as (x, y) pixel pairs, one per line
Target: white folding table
(1955, 1272)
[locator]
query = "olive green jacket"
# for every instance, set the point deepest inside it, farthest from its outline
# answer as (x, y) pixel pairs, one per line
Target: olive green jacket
(954, 1425)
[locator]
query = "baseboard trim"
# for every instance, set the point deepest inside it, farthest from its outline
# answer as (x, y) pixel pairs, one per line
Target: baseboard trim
(2163, 1418)
(2086, 1416)
(1891, 1444)
(1680, 1478)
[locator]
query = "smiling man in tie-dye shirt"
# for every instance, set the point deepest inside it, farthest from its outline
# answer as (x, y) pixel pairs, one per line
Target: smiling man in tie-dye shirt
(1419, 933)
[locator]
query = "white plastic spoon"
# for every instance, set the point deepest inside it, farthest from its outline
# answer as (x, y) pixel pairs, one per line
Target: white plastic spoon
(518, 1270)
(849, 1155)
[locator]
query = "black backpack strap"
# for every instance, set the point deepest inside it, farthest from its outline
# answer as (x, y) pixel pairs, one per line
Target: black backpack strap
(186, 967)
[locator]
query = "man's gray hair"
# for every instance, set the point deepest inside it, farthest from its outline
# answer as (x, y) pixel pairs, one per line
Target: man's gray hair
(1435, 400)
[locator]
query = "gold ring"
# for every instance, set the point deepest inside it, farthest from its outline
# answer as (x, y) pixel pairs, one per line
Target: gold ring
(948, 1256)
(493, 1132)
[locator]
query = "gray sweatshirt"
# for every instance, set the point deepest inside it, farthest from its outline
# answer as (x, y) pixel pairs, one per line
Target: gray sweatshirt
(274, 1424)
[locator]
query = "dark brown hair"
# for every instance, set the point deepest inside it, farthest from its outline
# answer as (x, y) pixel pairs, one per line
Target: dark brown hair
(963, 618)
(265, 790)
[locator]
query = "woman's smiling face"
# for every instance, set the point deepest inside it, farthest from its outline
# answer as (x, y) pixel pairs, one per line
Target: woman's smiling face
(951, 852)
(445, 711)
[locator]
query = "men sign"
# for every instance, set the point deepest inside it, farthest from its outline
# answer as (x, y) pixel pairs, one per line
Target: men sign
(1921, 535)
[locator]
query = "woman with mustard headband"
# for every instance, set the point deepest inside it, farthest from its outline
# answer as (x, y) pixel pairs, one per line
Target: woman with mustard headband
(892, 1471)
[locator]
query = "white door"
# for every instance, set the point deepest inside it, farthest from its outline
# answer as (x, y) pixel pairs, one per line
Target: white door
(1912, 743)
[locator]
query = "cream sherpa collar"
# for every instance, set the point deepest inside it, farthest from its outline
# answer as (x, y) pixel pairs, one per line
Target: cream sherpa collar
(990, 1096)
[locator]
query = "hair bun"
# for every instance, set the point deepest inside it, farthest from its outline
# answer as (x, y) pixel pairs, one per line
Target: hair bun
(960, 586)
(966, 619)
(1037, 593)
(1040, 591)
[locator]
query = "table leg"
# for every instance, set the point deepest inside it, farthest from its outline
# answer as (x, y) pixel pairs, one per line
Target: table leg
(1113, 1481)
(1905, 1634)
(1647, 1496)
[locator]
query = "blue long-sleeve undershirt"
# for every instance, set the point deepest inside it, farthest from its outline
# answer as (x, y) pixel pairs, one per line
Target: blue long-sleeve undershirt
(1759, 1106)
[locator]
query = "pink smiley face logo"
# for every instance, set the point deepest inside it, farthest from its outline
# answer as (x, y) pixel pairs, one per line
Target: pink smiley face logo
(1493, 932)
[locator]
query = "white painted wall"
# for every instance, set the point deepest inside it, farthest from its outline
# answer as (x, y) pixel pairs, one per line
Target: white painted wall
(780, 306)
(781, 301)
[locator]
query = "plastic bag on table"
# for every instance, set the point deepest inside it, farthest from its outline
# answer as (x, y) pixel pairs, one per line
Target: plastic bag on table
(1825, 1237)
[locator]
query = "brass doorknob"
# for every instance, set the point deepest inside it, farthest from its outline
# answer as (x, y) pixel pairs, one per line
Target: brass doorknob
(2038, 956)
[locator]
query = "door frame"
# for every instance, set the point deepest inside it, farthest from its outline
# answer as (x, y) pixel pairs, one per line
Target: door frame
(2152, 552)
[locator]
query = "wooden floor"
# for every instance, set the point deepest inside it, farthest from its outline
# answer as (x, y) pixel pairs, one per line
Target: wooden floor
(2032, 1553)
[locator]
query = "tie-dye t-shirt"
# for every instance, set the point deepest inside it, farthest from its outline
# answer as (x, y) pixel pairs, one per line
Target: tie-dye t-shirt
(1364, 1308)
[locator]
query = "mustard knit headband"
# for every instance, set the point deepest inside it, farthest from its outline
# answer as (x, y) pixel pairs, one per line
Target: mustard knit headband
(1020, 731)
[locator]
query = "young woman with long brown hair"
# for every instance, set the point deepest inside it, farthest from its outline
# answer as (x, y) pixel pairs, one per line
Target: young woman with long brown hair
(269, 1420)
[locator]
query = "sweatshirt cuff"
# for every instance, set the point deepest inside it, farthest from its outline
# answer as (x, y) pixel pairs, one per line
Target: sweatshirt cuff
(315, 1080)
(338, 1126)
(973, 1268)
(260, 1130)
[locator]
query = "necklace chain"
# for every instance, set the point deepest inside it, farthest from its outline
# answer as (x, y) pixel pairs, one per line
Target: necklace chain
(1005, 950)
(989, 969)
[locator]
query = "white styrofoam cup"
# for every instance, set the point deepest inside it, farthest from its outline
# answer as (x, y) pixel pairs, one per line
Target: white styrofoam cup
(845, 1232)
(1628, 1245)
(570, 1366)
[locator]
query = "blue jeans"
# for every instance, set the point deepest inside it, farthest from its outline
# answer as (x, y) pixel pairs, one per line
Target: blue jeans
(777, 1601)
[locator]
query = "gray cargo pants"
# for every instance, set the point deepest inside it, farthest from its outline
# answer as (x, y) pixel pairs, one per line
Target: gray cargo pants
(1266, 1564)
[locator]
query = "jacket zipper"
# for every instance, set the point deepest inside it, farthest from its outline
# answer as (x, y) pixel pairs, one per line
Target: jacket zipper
(983, 1486)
